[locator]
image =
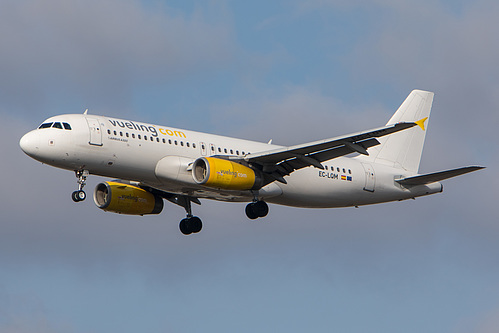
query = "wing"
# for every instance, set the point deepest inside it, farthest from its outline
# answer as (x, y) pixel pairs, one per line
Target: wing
(281, 162)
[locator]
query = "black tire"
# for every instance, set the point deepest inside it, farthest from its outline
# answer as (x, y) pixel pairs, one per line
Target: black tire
(261, 208)
(81, 195)
(195, 224)
(184, 227)
(250, 211)
(74, 196)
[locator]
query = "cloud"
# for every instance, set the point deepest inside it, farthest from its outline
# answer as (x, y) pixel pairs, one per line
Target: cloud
(98, 51)
(436, 255)
(434, 48)
(297, 114)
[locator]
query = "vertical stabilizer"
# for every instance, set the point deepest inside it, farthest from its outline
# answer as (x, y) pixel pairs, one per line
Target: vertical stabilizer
(403, 149)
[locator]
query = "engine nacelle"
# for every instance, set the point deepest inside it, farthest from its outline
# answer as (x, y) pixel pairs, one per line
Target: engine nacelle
(225, 174)
(126, 199)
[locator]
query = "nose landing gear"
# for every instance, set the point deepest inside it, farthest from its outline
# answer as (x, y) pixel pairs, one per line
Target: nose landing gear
(80, 195)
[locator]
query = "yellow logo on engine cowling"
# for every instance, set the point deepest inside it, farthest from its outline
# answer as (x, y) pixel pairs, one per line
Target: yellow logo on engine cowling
(229, 175)
(127, 199)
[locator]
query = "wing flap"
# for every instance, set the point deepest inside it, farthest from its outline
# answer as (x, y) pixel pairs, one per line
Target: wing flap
(437, 176)
(326, 155)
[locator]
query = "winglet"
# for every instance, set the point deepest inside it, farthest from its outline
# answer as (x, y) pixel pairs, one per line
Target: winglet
(421, 122)
(86, 111)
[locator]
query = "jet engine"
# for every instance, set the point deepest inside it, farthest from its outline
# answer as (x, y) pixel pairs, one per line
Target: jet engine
(224, 174)
(126, 199)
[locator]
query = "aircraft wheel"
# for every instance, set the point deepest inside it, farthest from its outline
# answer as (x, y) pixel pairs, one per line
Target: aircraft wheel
(261, 208)
(78, 196)
(191, 225)
(195, 224)
(184, 227)
(81, 195)
(251, 212)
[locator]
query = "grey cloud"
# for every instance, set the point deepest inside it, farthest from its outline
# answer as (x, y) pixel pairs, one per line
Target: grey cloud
(435, 48)
(436, 250)
(298, 114)
(98, 51)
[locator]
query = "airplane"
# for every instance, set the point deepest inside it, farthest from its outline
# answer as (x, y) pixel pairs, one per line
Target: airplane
(155, 162)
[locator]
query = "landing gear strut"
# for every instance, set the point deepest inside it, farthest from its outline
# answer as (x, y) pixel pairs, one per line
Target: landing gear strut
(257, 209)
(80, 195)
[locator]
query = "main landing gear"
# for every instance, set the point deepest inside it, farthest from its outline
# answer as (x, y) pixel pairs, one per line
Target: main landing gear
(191, 224)
(257, 209)
(80, 195)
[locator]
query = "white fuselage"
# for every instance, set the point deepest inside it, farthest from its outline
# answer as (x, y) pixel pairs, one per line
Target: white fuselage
(160, 157)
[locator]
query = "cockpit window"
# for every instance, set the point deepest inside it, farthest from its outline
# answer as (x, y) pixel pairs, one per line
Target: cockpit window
(57, 125)
(45, 125)
(66, 126)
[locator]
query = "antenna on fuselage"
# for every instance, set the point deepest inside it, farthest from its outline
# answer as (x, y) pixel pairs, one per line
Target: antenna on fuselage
(85, 111)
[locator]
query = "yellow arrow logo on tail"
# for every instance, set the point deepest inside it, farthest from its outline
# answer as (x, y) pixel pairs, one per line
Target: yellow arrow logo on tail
(420, 123)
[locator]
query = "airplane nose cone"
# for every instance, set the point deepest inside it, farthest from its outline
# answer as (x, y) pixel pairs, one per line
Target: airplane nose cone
(29, 143)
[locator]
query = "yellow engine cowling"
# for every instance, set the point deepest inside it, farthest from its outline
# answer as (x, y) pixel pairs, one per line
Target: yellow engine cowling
(224, 174)
(126, 199)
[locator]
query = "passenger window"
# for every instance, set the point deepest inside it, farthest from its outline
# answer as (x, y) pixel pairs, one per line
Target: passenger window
(225, 150)
(344, 170)
(231, 152)
(242, 153)
(66, 126)
(193, 145)
(164, 141)
(114, 132)
(182, 143)
(219, 149)
(157, 139)
(57, 125)
(133, 135)
(108, 131)
(237, 152)
(337, 169)
(46, 125)
(121, 133)
(325, 167)
(126, 134)
(187, 144)
(169, 141)
(212, 148)
(138, 136)
(176, 143)
(349, 171)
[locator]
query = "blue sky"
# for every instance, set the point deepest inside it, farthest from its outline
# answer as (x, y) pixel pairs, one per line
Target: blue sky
(287, 70)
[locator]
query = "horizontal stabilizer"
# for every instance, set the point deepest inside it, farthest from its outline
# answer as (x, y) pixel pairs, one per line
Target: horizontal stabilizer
(437, 176)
